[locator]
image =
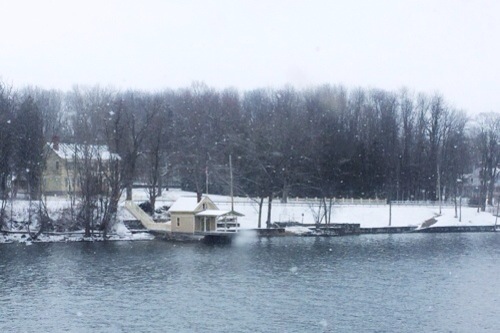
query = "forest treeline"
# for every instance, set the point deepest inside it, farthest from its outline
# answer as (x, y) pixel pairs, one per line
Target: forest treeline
(325, 141)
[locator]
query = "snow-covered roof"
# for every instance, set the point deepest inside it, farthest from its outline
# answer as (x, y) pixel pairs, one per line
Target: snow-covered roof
(187, 204)
(184, 204)
(69, 151)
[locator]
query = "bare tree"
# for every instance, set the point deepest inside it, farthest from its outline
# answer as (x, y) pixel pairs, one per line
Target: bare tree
(6, 147)
(133, 114)
(406, 175)
(50, 106)
(99, 181)
(156, 146)
(30, 141)
(196, 144)
(111, 174)
(86, 108)
(487, 136)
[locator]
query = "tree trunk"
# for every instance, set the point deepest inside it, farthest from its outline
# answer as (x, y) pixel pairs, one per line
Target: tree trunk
(129, 191)
(491, 186)
(455, 202)
(325, 210)
(86, 217)
(160, 184)
(269, 206)
(330, 211)
(152, 201)
(261, 202)
(44, 219)
(284, 193)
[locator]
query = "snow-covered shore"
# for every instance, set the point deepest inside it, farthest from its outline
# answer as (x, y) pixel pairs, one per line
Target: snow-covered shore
(296, 210)
(367, 215)
(73, 237)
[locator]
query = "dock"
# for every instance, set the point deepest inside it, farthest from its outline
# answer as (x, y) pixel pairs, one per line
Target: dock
(216, 237)
(387, 230)
(465, 228)
(345, 229)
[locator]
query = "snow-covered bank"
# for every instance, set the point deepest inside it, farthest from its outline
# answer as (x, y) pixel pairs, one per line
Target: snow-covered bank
(58, 238)
(302, 211)
(368, 216)
(119, 233)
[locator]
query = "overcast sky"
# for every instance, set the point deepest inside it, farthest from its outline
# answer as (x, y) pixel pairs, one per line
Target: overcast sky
(452, 47)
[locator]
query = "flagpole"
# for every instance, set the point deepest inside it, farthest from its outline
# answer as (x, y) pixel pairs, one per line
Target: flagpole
(231, 180)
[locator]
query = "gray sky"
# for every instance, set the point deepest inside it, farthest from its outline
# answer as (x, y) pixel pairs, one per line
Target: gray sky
(452, 47)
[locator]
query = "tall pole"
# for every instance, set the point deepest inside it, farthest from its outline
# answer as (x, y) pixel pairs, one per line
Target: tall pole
(439, 186)
(496, 218)
(390, 212)
(206, 179)
(461, 193)
(231, 182)
(460, 211)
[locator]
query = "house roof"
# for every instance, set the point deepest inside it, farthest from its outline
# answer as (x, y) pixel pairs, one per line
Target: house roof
(187, 204)
(190, 204)
(68, 151)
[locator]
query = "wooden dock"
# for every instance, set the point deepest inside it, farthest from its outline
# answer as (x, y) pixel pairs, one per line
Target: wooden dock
(387, 230)
(216, 237)
(465, 228)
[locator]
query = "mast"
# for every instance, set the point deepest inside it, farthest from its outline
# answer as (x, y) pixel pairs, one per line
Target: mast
(206, 179)
(231, 182)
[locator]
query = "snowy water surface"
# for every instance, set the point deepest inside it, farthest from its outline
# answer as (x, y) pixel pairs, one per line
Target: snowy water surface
(370, 283)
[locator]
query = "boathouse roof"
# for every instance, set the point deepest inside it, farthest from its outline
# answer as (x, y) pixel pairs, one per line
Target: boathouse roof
(188, 204)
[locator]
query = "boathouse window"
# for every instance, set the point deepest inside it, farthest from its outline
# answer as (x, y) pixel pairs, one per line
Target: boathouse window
(178, 221)
(57, 165)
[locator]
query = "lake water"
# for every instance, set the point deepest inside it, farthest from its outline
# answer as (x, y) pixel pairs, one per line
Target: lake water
(369, 283)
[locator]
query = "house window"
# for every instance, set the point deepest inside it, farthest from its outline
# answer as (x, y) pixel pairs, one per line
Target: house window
(57, 165)
(178, 221)
(204, 206)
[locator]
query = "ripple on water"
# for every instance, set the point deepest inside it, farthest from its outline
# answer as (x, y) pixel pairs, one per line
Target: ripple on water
(402, 283)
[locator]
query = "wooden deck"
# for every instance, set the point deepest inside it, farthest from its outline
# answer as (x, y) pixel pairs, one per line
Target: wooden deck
(216, 237)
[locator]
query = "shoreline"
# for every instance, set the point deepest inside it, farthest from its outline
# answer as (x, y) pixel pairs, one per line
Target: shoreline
(294, 218)
(21, 237)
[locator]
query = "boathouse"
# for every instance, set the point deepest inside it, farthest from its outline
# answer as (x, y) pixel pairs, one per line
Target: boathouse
(188, 216)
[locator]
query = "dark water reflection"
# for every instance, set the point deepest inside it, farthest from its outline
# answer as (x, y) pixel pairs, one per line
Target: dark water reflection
(379, 283)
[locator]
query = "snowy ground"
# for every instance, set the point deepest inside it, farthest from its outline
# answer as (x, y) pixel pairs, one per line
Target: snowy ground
(368, 216)
(296, 210)
(75, 237)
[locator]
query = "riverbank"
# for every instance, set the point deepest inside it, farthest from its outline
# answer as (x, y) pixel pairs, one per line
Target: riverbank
(371, 216)
(120, 233)
(368, 214)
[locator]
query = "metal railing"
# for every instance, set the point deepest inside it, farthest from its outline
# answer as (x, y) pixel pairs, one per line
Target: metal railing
(305, 201)
(337, 202)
